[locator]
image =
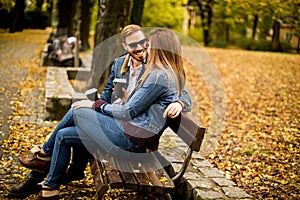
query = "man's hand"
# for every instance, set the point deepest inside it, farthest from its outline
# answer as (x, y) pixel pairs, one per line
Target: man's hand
(83, 104)
(173, 110)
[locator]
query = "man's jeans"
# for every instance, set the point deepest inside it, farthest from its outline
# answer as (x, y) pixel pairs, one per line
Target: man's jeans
(81, 129)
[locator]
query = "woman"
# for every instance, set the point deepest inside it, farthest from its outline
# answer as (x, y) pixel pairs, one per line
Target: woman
(135, 126)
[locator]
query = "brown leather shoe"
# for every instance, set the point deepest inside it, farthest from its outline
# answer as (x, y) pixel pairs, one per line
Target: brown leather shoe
(27, 187)
(33, 162)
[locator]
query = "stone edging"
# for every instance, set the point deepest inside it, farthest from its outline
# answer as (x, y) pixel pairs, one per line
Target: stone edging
(201, 180)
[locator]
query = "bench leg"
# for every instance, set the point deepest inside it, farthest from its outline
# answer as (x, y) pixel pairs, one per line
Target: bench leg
(168, 196)
(142, 195)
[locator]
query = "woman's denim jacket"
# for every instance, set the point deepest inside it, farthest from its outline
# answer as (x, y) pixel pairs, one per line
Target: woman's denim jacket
(146, 105)
(120, 69)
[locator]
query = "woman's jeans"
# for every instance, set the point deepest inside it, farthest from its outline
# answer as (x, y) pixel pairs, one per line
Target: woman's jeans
(83, 129)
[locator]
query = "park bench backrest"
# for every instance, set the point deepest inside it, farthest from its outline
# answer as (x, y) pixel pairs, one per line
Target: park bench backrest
(188, 130)
(191, 133)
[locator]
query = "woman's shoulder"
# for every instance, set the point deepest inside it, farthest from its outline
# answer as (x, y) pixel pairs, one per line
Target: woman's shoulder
(158, 73)
(161, 76)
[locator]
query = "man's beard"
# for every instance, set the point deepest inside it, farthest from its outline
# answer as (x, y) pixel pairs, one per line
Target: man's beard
(140, 58)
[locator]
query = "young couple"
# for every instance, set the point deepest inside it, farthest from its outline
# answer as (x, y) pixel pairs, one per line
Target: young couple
(155, 90)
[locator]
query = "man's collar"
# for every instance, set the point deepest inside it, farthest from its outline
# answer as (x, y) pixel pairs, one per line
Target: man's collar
(125, 67)
(126, 64)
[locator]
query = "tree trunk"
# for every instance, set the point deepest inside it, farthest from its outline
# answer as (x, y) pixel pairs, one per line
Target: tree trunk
(77, 24)
(275, 45)
(113, 15)
(255, 22)
(137, 12)
(75, 10)
(50, 11)
(39, 4)
(206, 17)
(17, 16)
(227, 28)
(69, 14)
(85, 24)
(298, 47)
(209, 19)
(64, 16)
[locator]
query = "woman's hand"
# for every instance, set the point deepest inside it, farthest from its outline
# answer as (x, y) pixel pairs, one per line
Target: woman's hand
(125, 96)
(83, 104)
(173, 110)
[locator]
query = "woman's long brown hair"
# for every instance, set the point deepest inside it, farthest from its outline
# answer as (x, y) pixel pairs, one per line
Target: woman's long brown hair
(165, 54)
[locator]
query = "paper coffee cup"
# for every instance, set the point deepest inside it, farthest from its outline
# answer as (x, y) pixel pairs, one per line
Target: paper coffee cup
(119, 84)
(92, 94)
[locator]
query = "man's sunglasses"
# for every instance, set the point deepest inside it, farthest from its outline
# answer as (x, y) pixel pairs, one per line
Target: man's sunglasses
(143, 43)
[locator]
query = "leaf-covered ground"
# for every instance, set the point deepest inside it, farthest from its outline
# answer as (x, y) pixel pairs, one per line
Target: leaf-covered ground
(258, 149)
(259, 146)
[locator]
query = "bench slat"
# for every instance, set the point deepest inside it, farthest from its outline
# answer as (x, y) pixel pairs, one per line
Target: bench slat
(160, 172)
(100, 184)
(128, 178)
(153, 171)
(111, 172)
(138, 171)
(157, 185)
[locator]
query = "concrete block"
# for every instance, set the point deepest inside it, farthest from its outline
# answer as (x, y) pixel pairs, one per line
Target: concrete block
(235, 192)
(211, 172)
(201, 163)
(199, 194)
(223, 182)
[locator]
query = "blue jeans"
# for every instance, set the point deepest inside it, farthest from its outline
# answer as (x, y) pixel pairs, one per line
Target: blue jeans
(81, 129)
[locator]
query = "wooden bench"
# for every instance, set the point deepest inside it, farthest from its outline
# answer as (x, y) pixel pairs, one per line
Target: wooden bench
(152, 175)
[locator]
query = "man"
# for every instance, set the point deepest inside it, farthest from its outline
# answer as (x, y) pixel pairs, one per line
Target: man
(130, 67)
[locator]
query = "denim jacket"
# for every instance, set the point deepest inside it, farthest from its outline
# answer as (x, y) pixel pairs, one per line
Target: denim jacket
(120, 69)
(146, 105)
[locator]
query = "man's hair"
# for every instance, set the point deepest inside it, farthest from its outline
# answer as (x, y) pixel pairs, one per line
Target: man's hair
(128, 30)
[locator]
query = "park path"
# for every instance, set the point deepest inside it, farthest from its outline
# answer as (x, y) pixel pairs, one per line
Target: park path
(17, 52)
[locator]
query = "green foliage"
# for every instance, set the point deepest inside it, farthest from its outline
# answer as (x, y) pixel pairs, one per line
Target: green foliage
(242, 43)
(196, 34)
(219, 43)
(258, 45)
(7, 4)
(250, 44)
(285, 46)
(238, 16)
(264, 27)
(163, 13)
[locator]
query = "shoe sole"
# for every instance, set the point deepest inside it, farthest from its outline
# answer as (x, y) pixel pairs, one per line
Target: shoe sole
(23, 195)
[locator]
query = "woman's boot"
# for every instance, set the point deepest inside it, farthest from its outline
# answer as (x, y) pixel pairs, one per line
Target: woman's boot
(48, 193)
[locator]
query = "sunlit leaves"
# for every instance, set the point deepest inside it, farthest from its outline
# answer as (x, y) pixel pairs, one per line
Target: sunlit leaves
(259, 148)
(23, 132)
